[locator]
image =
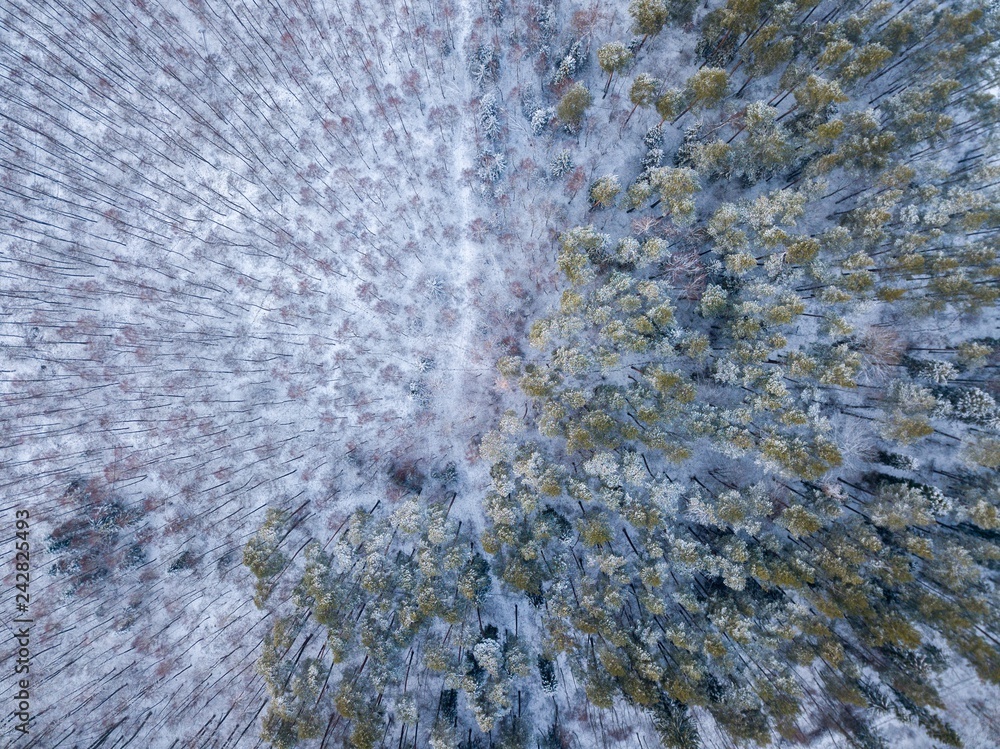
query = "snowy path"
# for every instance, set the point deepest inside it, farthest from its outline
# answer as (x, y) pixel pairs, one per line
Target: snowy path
(466, 257)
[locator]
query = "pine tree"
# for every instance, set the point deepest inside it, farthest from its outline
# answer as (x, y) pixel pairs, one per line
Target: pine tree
(766, 148)
(642, 93)
(604, 190)
(706, 88)
(262, 554)
(573, 105)
(648, 17)
(613, 57)
(817, 95)
(668, 104)
(864, 62)
(676, 189)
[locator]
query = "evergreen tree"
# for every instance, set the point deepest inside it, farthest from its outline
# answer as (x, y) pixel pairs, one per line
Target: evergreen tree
(613, 57)
(573, 105)
(604, 190)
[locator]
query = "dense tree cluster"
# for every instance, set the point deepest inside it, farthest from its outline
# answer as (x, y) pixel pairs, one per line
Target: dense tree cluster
(98, 542)
(399, 598)
(740, 489)
(752, 499)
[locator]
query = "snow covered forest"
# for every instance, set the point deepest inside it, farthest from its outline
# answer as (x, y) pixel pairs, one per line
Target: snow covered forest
(539, 374)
